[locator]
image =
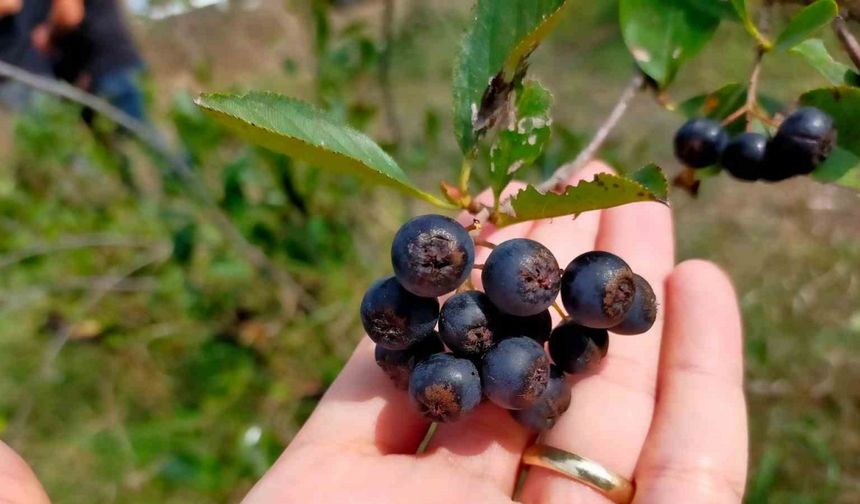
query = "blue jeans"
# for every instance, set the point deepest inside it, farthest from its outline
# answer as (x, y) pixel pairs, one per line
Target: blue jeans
(121, 88)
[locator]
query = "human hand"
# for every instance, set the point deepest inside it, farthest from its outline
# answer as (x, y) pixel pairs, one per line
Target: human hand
(10, 7)
(667, 408)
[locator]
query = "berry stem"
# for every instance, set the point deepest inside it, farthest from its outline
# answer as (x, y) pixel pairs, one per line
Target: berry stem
(478, 267)
(749, 107)
(734, 116)
(480, 242)
(752, 90)
(427, 438)
(557, 307)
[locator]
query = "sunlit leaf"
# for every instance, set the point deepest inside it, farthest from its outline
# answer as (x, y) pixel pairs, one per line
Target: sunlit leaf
(603, 191)
(816, 54)
(806, 22)
(297, 129)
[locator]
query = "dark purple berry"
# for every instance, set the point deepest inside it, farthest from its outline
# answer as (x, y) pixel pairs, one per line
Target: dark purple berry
(468, 323)
(597, 289)
(804, 140)
(554, 401)
(744, 156)
(578, 349)
(521, 277)
(444, 387)
(394, 317)
(700, 142)
(432, 255)
(536, 327)
(398, 364)
(515, 373)
(642, 313)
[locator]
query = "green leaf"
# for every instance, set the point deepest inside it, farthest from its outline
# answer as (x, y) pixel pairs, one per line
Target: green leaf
(841, 168)
(746, 19)
(843, 104)
(653, 179)
(816, 54)
(720, 8)
(809, 20)
(604, 191)
(663, 34)
(492, 60)
(298, 129)
(742, 10)
(521, 142)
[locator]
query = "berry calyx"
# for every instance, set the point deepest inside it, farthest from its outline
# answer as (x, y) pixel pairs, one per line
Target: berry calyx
(642, 313)
(444, 387)
(521, 277)
(515, 373)
(432, 255)
(597, 289)
(468, 323)
(545, 412)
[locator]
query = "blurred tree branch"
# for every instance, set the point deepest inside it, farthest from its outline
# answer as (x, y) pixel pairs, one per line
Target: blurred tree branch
(388, 102)
(567, 170)
(849, 42)
(290, 294)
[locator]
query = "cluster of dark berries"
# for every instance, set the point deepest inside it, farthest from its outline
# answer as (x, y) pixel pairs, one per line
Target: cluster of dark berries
(803, 141)
(492, 344)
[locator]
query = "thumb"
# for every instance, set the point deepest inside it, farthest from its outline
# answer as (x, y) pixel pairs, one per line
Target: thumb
(18, 483)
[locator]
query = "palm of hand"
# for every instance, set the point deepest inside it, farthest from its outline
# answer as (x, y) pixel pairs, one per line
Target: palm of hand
(667, 409)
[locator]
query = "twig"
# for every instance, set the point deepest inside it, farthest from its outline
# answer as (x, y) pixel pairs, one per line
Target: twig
(388, 101)
(292, 295)
(849, 42)
(480, 242)
(567, 170)
(52, 352)
(752, 89)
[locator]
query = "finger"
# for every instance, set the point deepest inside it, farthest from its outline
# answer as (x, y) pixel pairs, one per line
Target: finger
(611, 411)
(489, 443)
(363, 410)
(18, 484)
(697, 447)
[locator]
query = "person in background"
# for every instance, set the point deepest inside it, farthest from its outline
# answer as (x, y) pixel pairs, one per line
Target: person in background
(99, 55)
(18, 20)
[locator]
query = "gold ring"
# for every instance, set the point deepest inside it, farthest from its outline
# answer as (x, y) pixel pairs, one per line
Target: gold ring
(581, 469)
